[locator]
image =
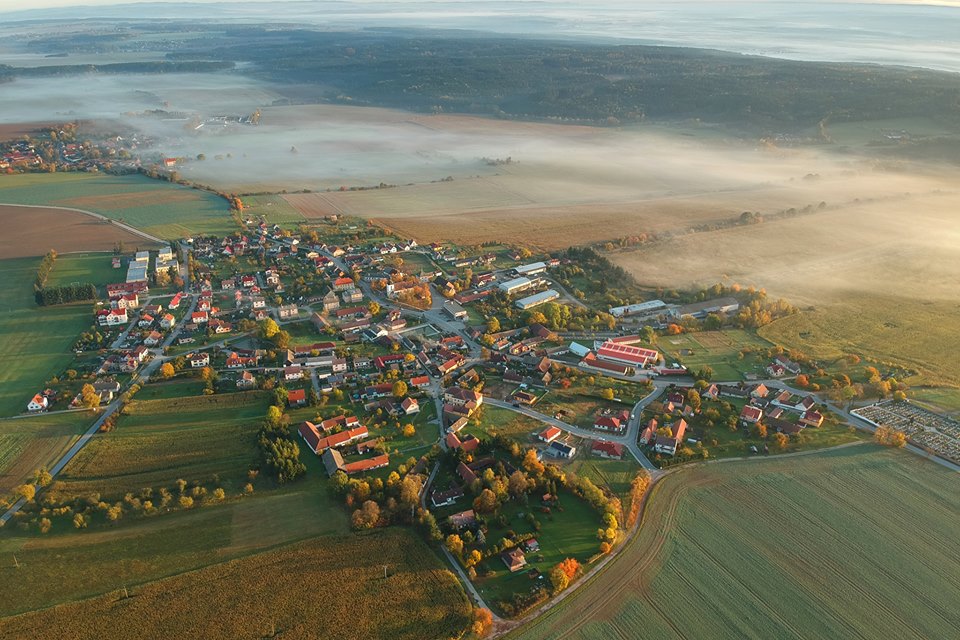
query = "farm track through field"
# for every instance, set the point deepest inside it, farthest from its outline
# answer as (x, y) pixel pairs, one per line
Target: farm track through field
(102, 218)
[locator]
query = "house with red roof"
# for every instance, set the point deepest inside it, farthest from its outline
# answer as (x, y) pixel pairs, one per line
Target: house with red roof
(649, 433)
(604, 449)
(751, 415)
(296, 397)
(550, 434)
(669, 445)
(318, 443)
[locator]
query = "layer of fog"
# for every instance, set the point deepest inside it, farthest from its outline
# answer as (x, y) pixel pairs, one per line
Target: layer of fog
(885, 33)
(322, 147)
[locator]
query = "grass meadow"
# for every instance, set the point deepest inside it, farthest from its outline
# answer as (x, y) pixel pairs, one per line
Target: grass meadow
(160, 208)
(823, 545)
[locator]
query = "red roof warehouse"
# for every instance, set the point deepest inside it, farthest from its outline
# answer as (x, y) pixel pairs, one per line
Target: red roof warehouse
(637, 356)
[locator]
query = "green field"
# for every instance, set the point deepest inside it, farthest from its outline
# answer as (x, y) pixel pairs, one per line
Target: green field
(567, 532)
(160, 208)
(26, 444)
(193, 438)
(716, 349)
(85, 267)
(330, 587)
(35, 342)
(494, 421)
(825, 545)
(613, 475)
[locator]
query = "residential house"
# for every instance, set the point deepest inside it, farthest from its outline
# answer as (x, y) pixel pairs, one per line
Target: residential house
(649, 433)
(751, 415)
(39, 402)
(463, 520)
(604, 449)
(153, 339)
(168, 321)
(812, 418)
(549, 434)
(199, 360)
(561, 450)
(246, 381)
(112, 317)
(296, 397)
(292, 373)
(446, 498)
(669, 445)
(410, 406)
(514, 559)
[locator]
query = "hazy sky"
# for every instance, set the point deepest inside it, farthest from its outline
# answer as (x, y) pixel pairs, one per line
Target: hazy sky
(19, 5)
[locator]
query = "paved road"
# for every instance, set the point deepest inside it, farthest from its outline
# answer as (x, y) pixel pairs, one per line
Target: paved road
(627, 439)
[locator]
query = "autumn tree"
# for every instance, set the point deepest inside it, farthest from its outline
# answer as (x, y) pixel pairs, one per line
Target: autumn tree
(607, 394)
(268, 328)
(399, 389)
(367, 516)
(781, 440)
(26, 491)
(409, 430)
(454, 544)
(482, 622)
(531, 464)
(166, 371)
(518, 483)
(486, 502)
(559, 579)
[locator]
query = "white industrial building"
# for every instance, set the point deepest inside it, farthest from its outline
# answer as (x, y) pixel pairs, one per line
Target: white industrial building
(516, 285)
(531, 269)
(537, 299)
(649, 307)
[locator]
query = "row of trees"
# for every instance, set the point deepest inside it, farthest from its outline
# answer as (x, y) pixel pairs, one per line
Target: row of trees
(76, 292)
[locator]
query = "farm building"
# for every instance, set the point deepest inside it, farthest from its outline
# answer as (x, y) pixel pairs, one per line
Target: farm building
(537, 299)
(606, 449)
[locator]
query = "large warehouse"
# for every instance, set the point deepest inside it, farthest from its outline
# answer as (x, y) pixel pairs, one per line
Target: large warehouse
(635, 356)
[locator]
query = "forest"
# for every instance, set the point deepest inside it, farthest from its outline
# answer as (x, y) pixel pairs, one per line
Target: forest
(580, 82)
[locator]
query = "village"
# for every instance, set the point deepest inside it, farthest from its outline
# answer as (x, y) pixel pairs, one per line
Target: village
(477, 379)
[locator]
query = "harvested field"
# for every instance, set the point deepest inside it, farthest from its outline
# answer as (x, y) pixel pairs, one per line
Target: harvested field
(822, 545)
(12, 131)
(32, 231)
(348, 597)
(159, 208)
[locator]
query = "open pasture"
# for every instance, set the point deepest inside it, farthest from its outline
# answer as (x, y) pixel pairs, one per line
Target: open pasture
(159, 208)
(823, 545)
